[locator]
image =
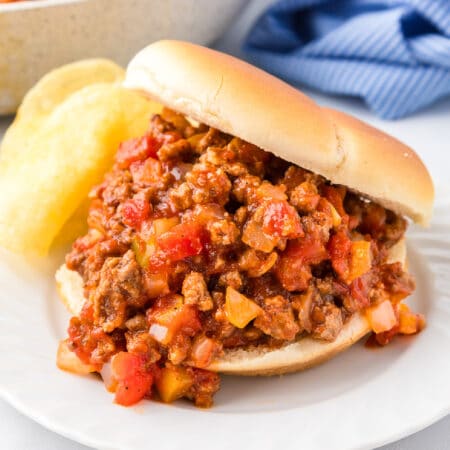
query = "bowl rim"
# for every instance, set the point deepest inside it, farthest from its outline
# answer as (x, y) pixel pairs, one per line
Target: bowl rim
(35, 4)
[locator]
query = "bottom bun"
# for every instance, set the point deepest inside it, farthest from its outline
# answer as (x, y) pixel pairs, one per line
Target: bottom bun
(299, 355)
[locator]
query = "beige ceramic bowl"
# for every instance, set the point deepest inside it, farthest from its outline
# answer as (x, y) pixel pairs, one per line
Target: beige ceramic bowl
(38, 35)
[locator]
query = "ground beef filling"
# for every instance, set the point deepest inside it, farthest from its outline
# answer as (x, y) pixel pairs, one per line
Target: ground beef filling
(200, 242)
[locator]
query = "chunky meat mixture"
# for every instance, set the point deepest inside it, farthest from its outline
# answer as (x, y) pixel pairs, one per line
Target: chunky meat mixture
(200, 242)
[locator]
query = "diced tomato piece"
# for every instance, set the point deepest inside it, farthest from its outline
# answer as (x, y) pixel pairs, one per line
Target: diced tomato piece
(335, 195)
(158, 263)
(182, 241)
(145, 248)
(382, 339)
(137, 149)
(281, 220)
(170, 316)
(350, 260)
(294, 264)
(340, 249)
(146, 172)
(135, 211)
(84, 338)
(358, 291)
(134, 379)
(87, 312)
(125, 365)
(81, 346)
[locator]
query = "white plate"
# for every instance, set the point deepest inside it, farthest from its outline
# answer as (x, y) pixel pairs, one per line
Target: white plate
(362, 399)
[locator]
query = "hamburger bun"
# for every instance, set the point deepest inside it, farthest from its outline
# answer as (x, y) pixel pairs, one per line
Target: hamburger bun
(241, 100)
(237, 98)
(299, 355)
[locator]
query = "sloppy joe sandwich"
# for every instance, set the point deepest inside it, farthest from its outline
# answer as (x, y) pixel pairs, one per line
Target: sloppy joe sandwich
(249, 231)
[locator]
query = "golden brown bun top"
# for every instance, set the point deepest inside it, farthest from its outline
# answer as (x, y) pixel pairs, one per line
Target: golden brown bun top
(239, 99)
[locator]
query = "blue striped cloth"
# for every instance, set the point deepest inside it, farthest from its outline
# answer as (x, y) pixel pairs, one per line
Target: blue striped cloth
(395, 54)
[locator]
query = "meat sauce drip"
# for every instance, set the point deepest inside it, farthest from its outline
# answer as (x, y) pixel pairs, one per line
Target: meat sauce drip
(199, 242)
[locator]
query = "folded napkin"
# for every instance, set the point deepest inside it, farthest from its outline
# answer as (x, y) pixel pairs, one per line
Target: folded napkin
(395, 54)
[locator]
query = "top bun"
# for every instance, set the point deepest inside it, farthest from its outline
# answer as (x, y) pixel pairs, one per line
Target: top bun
(237, 98)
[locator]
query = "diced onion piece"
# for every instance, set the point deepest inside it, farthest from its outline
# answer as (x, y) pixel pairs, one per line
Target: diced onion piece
(147, 172)
(304, 304)
(239, 309)
(173, 383)
(270, 192)
(170, 316)
(204, 214)
(361, 259)
(156, 284)
(142, 250)
(335, 216)
(194, 140)
(161, 226)
(255, 237)
(382, 317)
(254, 266)
(107, 377)
(159, 332)
(203, 351)
(68, 360)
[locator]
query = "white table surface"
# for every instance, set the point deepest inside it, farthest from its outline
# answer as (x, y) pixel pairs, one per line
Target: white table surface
(427, 132)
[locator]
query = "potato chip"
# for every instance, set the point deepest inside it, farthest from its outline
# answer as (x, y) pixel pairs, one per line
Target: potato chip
(75, 226)
(42, 187)
(52, 90)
